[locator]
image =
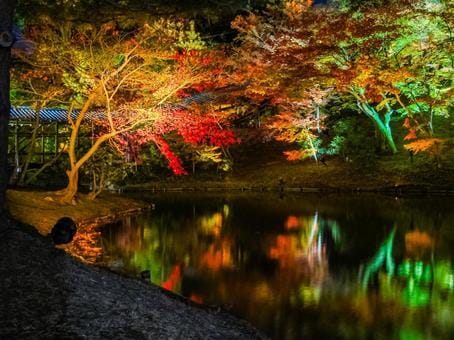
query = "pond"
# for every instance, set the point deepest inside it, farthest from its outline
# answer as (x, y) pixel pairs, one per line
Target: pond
(300, 266)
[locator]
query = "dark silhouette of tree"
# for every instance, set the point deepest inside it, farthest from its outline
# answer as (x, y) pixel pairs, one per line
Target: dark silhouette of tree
(211, 16)
(6, 41)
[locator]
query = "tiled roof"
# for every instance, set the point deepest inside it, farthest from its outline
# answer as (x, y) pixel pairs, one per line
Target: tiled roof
(26, 113)
(47, 115)
(61, 115)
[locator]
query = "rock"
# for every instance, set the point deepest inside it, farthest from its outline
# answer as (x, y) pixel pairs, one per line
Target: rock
(63, 231)
(145, 275)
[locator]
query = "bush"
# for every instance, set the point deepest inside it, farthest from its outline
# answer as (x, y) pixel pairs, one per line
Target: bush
(355, 141)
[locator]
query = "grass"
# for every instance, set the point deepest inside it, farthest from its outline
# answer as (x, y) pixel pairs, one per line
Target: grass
(271, 173)
(42, 208)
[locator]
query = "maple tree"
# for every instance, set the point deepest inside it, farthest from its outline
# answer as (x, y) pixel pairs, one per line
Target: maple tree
(127, 84)
(429, 94)
(376, 54)
(175, 123)
(389, 66)
(277, 64)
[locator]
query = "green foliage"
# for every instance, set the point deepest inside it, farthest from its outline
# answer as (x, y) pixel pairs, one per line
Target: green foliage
(107, 168)
(335, 146)
(354, 140)
(213, 155)
(190, 39)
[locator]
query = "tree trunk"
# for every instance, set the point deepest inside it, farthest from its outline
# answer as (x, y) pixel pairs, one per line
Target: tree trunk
(98, 185)
(317, 117)
(383, 126)
(70, 192)
(6, 21)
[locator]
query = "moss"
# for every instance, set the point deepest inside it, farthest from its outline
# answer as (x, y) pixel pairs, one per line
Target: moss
(392, 171)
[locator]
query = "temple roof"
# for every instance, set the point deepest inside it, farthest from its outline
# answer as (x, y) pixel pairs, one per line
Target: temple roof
(26, 113)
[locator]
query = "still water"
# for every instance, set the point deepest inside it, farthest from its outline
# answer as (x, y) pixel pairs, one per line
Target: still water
(301, 267)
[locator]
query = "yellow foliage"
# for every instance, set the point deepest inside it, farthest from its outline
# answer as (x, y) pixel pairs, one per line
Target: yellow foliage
(426, 144)
(296, 8)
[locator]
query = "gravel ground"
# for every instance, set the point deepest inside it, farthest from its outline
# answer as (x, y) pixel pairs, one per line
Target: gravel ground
(47, 294)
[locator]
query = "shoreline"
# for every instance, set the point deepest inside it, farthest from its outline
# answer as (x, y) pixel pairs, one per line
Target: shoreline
(47, 293)
(306, 176)
(447, 191)
(27, 249)
(42, 209)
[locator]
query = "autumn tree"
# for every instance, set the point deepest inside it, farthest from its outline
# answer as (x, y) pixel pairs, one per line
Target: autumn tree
(126, 83)
(277, 59)
(385, 63)
(374, 53)
(429, 95)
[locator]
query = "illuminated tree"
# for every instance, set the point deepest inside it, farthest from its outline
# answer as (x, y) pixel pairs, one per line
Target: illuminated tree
(126, 84)
(396, 62)
(378, 54)
(279, 67)
(427, 53)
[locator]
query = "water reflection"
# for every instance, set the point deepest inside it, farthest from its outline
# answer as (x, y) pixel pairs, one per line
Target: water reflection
(308, 267)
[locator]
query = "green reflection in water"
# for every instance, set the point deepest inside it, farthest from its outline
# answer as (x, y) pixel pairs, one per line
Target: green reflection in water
(149, 255)
(309, 295)
(410, 334)
(383, 256)
(295, 275)
(414, 295)
(444, 275)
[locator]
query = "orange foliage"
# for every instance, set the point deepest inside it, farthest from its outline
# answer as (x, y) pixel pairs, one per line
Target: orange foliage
(407, 123)
(295, 155)
(416, 241)
(411, 135)
(426, 144)
(245, 23)
(295, 8)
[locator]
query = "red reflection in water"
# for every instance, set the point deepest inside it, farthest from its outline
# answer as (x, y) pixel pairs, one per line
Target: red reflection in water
(299, 260)
(285, 251)
(196, 298)
(174, 278)
(292, 222)
(217, 256)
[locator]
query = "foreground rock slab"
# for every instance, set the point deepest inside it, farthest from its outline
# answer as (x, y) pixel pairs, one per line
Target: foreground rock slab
(47, 294)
